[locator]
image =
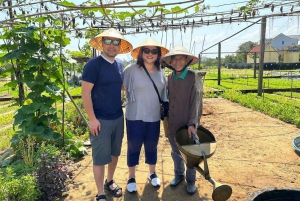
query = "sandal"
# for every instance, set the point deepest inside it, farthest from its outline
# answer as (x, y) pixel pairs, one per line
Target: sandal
(114, 191)
(100, 197)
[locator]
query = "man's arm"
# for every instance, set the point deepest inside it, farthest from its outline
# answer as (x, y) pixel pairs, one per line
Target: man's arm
(94, 124)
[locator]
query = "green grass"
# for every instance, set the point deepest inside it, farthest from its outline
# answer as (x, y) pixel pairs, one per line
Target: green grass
(4, 90)
(6, 135)
(267, 104)
(75, 91)
(3, 82)
(227, 73)
(289, 94)
(8, 109)
(251, 83)
(6, 118)
(8, 102)
(278, 105)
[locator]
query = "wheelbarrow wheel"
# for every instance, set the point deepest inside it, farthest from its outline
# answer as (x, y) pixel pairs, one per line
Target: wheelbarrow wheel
(222, 192)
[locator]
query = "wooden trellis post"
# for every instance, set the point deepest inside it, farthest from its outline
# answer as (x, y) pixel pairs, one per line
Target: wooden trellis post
(261, 55)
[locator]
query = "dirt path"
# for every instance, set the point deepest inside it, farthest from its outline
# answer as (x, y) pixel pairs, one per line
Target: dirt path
(253, 152)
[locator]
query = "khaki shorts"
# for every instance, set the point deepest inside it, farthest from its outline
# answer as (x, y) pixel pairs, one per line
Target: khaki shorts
(108, 142)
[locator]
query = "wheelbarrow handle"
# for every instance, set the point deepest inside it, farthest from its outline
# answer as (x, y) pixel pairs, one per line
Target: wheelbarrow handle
(195, 139)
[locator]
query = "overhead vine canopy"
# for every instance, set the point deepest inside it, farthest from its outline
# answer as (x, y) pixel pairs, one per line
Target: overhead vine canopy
(136, 16)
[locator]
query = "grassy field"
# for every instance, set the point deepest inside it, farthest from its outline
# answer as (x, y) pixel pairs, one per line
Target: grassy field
(4, 90)
(282, 105)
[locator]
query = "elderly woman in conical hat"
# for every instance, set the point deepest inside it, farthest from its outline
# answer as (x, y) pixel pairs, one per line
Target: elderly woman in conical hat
(143, 107)
(101, 96)
(185, 108)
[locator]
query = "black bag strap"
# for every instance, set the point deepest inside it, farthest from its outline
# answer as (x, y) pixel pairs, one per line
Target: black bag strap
(153, 84)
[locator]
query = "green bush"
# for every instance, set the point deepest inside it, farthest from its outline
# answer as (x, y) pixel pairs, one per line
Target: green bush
(13, 188)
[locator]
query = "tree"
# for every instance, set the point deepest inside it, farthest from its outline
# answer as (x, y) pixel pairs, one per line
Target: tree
(210, 62)
(229, 59)
(246, 46)
(243, 49)
(36, 59)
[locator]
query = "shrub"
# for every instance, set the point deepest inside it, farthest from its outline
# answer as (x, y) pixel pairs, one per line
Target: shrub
(27, 146)
(53, 173)
(13, 188)
(43, 180)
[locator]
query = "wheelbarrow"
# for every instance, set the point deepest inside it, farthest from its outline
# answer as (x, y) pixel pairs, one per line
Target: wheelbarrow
(194, 153)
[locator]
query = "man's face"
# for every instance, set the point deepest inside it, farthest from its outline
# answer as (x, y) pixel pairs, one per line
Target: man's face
(110, 47)
(178, 62)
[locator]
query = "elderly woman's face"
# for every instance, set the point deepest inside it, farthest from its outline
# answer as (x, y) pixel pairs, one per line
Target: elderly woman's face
(178, 62)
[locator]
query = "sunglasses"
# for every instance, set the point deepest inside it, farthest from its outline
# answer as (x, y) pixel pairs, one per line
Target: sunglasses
(109, 41)
(147, 51)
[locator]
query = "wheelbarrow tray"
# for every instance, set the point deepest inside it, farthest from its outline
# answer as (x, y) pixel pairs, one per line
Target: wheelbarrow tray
(192, 153)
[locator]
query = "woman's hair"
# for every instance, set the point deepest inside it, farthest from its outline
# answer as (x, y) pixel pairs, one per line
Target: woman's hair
(140, 60)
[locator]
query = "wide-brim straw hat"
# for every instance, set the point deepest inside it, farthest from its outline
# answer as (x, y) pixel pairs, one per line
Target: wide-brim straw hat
(96, 42)
(148, 42)
(179, 50)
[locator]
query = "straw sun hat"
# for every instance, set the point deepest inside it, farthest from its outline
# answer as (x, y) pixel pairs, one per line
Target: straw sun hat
(149, 42)
(96, 42)
(179, 50)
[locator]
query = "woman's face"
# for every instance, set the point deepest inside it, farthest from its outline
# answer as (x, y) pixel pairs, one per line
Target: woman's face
(149, 54)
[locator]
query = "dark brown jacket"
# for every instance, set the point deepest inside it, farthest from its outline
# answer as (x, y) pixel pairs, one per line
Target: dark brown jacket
(184, 97)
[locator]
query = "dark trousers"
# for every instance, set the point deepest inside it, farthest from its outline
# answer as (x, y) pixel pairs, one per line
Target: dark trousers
(142, 133)
(179, 164)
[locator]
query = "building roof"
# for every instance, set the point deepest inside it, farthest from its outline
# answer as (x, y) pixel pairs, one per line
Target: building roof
(294, 36)
(289, 36)
(256, 49)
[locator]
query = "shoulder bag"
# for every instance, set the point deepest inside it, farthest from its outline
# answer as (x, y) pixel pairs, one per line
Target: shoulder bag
(164, 105)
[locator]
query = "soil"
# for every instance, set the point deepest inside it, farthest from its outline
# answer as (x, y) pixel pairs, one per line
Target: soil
(254, 152)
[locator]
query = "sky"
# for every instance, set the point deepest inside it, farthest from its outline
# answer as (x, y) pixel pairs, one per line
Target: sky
(204, 37)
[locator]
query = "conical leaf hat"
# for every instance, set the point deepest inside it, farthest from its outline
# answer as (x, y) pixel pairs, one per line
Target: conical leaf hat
(178, 50)
(96, 42)
(148, 42)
